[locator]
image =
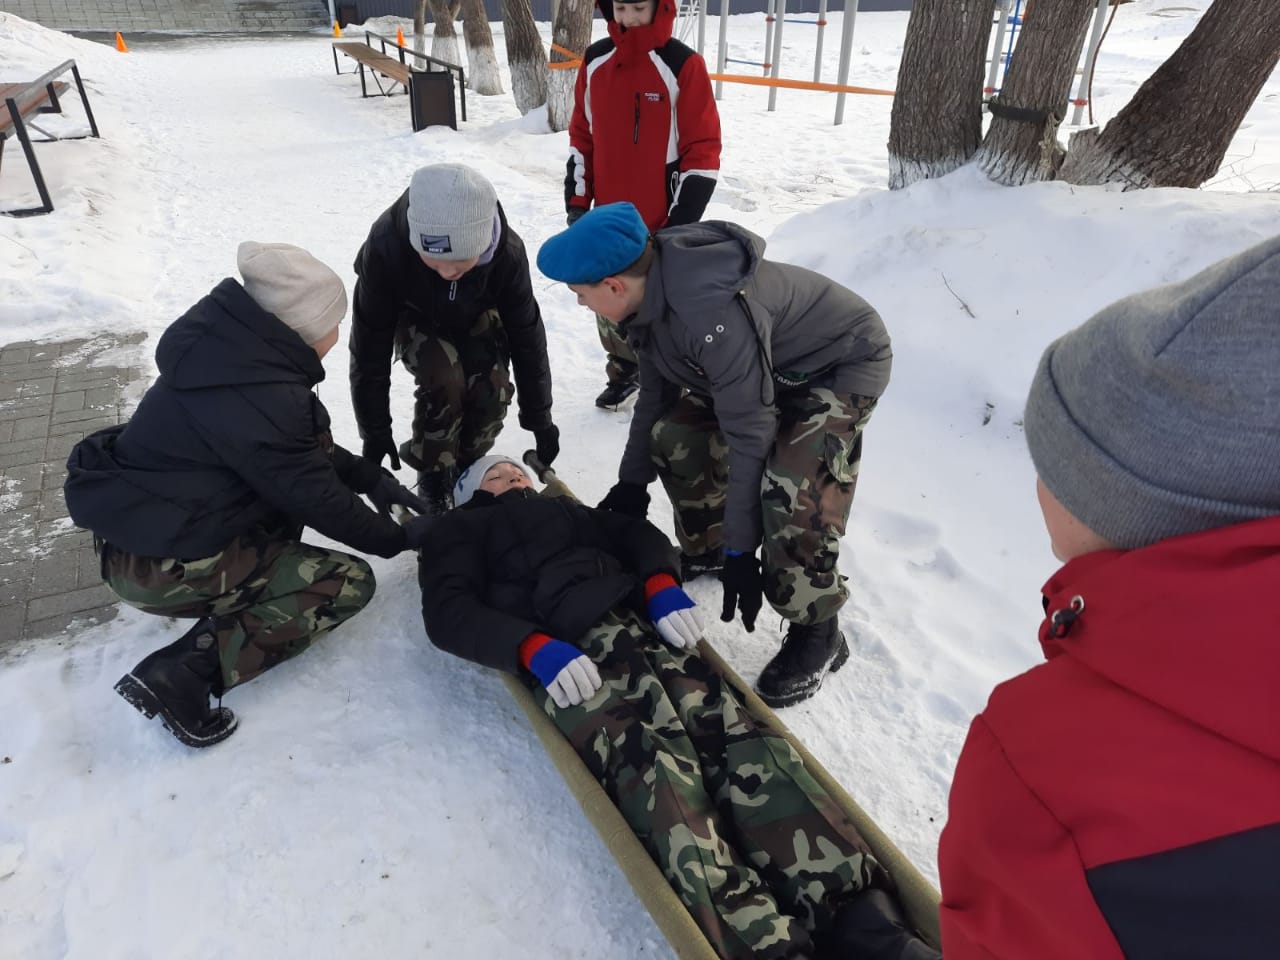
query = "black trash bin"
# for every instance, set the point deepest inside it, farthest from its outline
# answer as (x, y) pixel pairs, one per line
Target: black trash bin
(431, 99)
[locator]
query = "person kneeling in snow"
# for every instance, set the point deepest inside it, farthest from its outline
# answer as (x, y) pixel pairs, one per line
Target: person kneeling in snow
(198, 502)
(584, 603)
(1123, 799)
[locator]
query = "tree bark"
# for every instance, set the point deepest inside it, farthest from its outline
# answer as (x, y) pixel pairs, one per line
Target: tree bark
(1022, 146)
(1176, 129)
(936, 122)
(444, 38)
(526, 55)
(420, 26)
(573, 32)
(482, 62)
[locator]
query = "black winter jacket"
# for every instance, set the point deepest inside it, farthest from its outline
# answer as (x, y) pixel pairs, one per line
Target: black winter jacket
(503, 567)
(396, 291)
(229, 437)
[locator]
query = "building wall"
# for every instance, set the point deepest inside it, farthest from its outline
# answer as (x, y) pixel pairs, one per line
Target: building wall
(362, 10)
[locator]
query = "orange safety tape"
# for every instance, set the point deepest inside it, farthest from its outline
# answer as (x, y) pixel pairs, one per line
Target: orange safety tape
(573, 63)
(798, 84)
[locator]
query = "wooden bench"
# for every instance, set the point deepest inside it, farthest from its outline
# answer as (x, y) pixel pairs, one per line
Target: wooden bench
(23, 100)
(430, 90)
(378, 63)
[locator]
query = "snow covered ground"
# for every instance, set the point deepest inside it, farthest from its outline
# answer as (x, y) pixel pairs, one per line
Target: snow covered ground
(384, 800)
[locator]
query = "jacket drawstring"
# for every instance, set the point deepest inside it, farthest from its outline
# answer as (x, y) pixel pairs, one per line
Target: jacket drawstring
(1061, 621)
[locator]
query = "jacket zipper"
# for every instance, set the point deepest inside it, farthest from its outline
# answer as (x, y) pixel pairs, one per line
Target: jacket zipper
(453, 290)
(635, 135)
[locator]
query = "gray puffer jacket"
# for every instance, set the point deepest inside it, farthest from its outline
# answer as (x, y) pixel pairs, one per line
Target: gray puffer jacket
(720, 320)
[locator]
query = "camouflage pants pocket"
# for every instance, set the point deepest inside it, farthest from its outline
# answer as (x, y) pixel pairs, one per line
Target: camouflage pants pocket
(270, 598)
(807, 492)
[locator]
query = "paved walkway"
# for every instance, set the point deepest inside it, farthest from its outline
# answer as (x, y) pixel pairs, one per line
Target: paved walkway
(51, 395)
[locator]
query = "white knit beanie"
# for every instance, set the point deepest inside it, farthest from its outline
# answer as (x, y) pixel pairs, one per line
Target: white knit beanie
(451, 212)
(471, 478)
(1161, 415)
(307, 296)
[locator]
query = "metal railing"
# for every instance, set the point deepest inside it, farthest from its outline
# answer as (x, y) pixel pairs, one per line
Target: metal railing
(369, 37)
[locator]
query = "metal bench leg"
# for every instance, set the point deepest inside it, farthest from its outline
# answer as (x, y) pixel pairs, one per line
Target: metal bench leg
(363, 91)
(93, 124)
(20, 128)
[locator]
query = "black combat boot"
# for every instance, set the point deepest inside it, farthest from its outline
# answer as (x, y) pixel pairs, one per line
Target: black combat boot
(615, 394)
(700, 564)
(871, 927)
(809, 652)
(436, 487)
(176, 682)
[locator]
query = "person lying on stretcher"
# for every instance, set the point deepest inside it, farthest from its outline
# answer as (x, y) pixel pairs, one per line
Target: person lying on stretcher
(585, 605)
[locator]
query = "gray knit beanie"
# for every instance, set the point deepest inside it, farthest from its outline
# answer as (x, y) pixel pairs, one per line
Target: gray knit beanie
(307, 296)
(470, 479)
(1161, 415)
(451, 212)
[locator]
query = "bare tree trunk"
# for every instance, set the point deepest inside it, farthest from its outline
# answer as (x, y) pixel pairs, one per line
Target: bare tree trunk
(526, 55)
(420, 26)
(1176, 129)
(482, 63)
(936, 124)
(1021, 145)
(573, 32)
(444, 38)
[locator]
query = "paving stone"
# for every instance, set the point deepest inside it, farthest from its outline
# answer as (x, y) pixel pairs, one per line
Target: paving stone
(13, 617)
(51, 626)
(50, 397)
(30, 428)
(56, 573)
(21, 409)
(69, 400)
(15, 578)
(73, 601)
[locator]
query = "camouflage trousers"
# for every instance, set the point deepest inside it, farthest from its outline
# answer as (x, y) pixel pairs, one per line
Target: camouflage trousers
(462, 393)
(620, 360)
(757, 851)
(806, 492)
(270, 595)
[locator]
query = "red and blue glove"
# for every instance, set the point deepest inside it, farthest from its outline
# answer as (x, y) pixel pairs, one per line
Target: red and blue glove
(568, 674)
(673, 611)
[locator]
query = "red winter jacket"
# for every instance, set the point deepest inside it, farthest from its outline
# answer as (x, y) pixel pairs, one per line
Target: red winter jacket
(1123, 799)
(645, 126)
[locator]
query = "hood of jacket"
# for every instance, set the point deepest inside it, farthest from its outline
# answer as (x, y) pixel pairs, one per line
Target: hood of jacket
(638, 41)
(1185, 623)
(226, 339)
(703, 266)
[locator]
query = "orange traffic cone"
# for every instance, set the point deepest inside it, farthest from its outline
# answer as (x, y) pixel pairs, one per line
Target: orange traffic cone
(120, 44)
(399, 36)
(337, 30)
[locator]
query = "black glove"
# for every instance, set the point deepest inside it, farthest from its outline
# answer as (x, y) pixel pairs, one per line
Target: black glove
(743, 587)
(629, 498)
(547, 441)
(417, 531)
(375, 448)
(389, 491)
(574, 214)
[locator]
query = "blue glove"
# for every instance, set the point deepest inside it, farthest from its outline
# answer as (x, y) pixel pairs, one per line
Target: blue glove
(568, 674)
(673, 611)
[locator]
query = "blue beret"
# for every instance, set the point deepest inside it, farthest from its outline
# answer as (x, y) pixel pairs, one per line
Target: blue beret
(603, 242)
